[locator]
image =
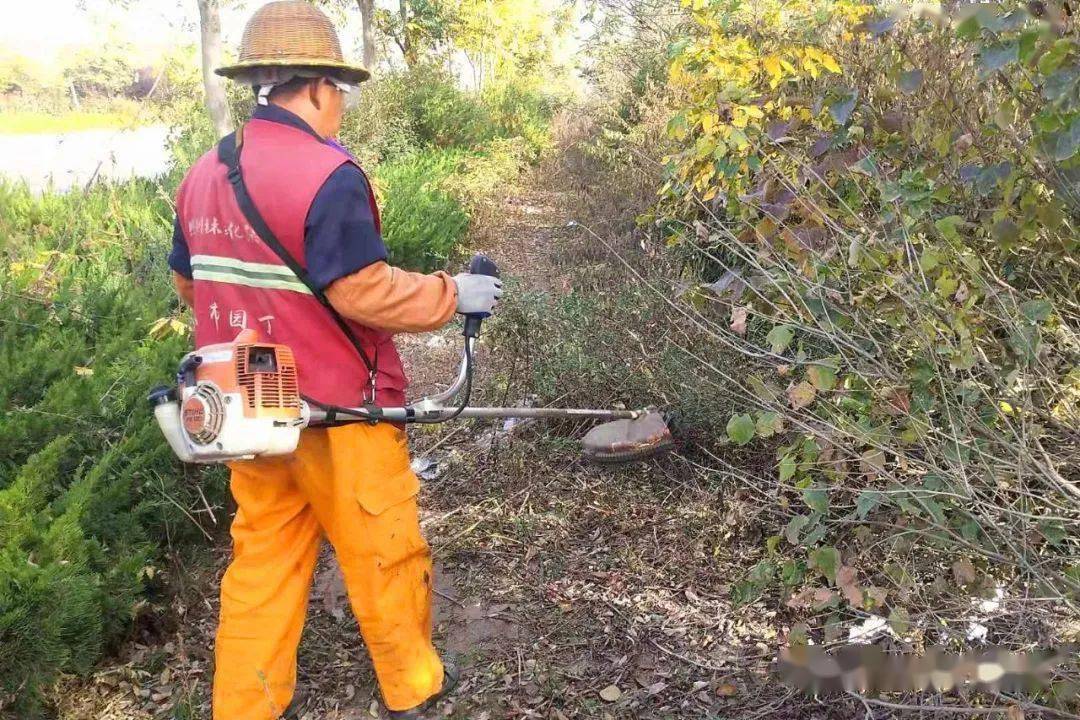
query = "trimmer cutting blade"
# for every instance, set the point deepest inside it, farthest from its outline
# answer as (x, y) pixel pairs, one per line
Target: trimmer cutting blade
(622, 441)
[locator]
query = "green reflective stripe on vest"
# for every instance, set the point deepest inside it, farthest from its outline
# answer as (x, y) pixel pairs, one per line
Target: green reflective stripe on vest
(237, 272)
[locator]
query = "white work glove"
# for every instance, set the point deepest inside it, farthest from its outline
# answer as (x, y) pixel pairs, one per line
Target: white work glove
(477, 294)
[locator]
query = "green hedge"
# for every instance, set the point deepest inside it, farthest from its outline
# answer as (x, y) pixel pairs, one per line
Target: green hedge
(89, 492)
(423, 222)
(423, 108)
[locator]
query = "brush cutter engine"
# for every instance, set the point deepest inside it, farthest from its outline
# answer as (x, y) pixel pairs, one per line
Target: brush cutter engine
(233, 401)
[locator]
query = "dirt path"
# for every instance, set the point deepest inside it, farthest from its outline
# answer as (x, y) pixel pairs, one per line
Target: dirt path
(567, 592)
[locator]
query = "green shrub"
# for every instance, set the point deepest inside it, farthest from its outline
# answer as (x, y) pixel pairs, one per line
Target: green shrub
(89, 492)
(100, 72)
(897, 196)
(403, 111)
(424, 107)
(519, 110)
(443, 115)
(422, 221)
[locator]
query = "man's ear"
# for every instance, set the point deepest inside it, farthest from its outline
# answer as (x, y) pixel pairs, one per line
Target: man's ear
(313, 92)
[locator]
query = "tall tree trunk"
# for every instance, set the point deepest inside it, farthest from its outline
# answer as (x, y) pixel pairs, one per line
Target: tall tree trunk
(216, 102)
(406, 34)
(367, 14)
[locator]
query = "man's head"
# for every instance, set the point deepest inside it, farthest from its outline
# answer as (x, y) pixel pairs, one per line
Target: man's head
(319, 101)
(291, 55)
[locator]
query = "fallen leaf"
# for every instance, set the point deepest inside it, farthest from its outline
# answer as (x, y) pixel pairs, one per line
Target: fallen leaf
(825, 560)
(871, 463)
(963, 571)
(801, 395)
(727, 690)
(738, 320)
(897, 401)
(795, 527)
(877, 594)
(701, 231)
(741, 429)
(780, 337)
(611, 693)
(769, 424)
(899, 621)
(823, 596)
(799, 635)
(329, 586)
(847, 580)
(801, 600)
(729, 287)
(765, 391)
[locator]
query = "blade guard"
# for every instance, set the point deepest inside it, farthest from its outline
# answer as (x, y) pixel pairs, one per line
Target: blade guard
(622, 441)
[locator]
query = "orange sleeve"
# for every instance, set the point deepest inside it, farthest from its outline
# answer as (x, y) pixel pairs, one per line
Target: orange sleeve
(185, 288)
(391, 299)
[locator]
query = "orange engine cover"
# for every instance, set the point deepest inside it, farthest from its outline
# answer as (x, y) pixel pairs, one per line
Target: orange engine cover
(264, 375)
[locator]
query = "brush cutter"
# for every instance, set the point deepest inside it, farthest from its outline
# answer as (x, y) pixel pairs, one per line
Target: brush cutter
(241, 400)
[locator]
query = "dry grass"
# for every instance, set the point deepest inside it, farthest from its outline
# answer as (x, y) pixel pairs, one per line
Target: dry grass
(555, 580)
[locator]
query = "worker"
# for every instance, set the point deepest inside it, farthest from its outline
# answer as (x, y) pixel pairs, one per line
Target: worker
(351, 483)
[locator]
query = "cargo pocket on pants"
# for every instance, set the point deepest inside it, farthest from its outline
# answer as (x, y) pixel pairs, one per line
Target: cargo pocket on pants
(388, 479)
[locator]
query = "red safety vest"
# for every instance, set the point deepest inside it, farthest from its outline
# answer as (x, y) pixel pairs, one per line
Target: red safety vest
(241, 283)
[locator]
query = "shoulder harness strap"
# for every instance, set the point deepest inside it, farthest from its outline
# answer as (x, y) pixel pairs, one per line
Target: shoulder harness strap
(229, 150)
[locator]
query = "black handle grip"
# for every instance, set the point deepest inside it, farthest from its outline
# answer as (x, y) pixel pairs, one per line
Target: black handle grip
(480, 265)
(483, 265)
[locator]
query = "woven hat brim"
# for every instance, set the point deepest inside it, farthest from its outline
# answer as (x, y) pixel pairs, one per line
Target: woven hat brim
(349, 73)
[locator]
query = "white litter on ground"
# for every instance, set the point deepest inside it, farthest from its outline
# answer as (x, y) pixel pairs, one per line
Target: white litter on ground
(976, 632)
(871, 629)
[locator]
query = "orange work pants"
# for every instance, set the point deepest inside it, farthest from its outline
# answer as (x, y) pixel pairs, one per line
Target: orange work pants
(353, 484)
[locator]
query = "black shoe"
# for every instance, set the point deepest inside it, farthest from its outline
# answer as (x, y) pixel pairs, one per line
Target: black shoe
(450, 681)
(295, 707)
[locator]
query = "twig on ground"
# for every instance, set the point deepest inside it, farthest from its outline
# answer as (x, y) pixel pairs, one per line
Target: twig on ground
(184, 510)
(444, 596)
(691, 661)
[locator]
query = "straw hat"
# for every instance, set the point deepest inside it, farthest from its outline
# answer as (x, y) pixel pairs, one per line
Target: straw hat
(292, 34)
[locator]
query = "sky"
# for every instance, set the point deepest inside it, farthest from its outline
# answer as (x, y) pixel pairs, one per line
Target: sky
(45, 30)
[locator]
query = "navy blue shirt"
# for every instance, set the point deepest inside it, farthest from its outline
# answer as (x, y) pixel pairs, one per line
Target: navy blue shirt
(339, 232)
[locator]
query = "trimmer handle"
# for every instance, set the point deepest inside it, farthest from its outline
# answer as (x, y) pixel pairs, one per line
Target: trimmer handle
(480, 265)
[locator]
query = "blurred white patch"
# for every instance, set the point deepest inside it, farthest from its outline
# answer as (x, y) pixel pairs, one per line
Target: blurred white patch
(425, 468)
(976, 632)
(871, 629)
(991, 604)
